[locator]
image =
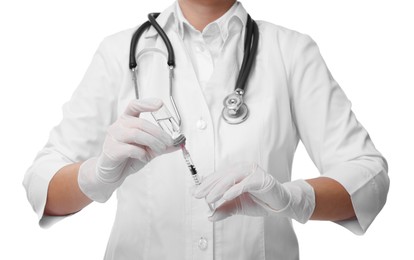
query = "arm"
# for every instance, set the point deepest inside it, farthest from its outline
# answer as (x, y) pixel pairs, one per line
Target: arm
(337, 143)
(79, 136)
(110, 145)
(64, 196)
(248, 190)
(129, 144)
(354, 182)
(332, 201)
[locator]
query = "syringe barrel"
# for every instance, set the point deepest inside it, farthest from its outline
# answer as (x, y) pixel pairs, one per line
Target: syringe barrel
(196, 179)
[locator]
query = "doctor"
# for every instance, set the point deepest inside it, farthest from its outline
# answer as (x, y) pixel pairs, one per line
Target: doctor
(108, 142)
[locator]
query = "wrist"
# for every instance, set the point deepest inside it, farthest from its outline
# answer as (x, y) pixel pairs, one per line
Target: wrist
(92, 184)
(294, 200)
(302, 200)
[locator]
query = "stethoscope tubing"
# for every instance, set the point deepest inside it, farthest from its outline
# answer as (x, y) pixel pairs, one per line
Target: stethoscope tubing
(171, 57)
(250, 49)
(231, 114)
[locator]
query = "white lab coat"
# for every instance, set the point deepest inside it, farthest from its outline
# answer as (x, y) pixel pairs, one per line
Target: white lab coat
(291, 96)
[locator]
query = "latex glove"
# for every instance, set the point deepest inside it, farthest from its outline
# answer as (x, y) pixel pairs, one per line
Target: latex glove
(248, 190)
(131, 142)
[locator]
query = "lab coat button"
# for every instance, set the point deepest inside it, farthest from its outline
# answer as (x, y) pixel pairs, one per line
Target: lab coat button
(202, 243)
(201, 124)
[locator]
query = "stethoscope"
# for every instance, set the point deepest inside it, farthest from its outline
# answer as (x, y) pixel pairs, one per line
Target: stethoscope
(235, 110)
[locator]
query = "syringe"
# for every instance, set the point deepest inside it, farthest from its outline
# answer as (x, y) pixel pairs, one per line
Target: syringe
(170, 126)
(193, 170)
(190, 164)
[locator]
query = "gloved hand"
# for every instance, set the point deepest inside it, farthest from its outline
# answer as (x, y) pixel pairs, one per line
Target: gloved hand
(131, 142)
(248, 190)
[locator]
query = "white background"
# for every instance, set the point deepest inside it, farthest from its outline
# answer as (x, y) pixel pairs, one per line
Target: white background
(47, 45)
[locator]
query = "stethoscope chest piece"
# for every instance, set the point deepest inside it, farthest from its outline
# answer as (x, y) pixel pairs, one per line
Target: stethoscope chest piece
(235, 111)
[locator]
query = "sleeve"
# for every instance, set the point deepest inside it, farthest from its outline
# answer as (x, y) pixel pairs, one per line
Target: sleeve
(337, 143)
(79, 135)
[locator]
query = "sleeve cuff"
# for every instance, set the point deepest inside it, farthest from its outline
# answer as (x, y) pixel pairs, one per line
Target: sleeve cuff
(366, 188)
(36, 183)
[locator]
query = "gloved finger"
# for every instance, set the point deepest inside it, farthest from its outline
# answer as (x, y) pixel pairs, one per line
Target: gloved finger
(207, 184)
(142, 125)
(241, 205)
(217, 191)
(172, 148)
(235, 191)
(257, 181)
(137, 156)
(138, 137)
(142, 153)
(225, 210)
(116, 153)
(231, 175)
(252, 183)
(137, 106)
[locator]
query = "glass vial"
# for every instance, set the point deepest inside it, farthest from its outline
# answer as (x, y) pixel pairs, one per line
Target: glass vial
(168, 123)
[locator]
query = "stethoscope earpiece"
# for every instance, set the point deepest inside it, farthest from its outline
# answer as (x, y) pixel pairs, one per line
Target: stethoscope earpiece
(235, 111)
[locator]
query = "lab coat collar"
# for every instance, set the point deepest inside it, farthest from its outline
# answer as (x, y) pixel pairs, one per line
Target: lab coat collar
(172, 16)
